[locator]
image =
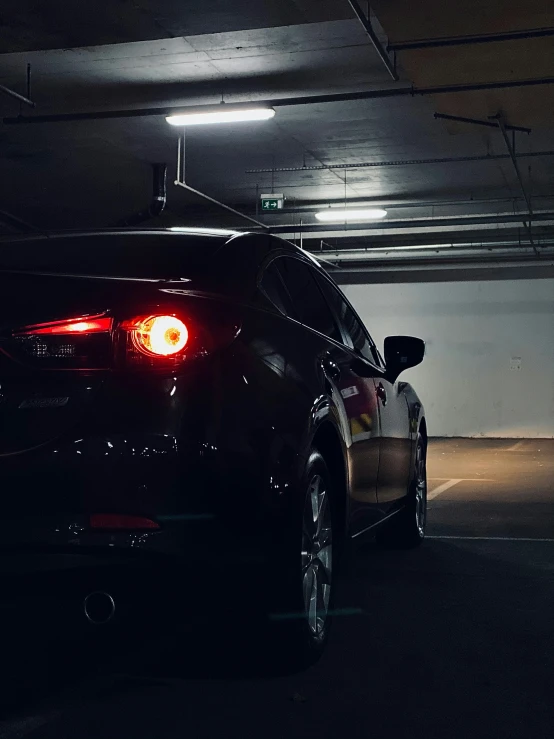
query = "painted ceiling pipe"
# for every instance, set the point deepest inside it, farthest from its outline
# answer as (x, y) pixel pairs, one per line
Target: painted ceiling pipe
(490, 38)
(403, 162)
(16, 224)
(339, 97)
(496, 218)
(16, 96)
(158, 202)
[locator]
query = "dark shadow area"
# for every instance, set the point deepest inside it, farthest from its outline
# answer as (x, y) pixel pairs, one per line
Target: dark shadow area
(450, 640)
(165, 627)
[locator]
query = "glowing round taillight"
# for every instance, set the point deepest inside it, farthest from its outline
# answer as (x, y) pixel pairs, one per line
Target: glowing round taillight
(161, 335)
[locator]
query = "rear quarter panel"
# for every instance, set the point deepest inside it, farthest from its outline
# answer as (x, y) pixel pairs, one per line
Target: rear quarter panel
(416, 412)
(281, 401)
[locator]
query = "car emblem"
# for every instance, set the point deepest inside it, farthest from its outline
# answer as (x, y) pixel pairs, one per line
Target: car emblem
(43, 402)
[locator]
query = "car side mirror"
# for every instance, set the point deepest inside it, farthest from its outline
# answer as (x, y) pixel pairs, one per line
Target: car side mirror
(402, 352)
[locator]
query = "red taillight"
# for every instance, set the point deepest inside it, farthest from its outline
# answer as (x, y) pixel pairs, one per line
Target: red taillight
(158, 336)
(156, 339)
(83, 325)
(83, 342)
(116, 521)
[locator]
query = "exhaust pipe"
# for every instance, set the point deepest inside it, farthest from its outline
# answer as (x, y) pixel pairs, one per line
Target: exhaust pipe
(99, 607)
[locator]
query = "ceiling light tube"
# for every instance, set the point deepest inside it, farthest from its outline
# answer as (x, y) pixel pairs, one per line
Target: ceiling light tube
(345, 215)
(223, 113)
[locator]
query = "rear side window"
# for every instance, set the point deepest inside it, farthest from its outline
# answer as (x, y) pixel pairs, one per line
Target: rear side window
(351, 324)
(310, 306)
(272, 285)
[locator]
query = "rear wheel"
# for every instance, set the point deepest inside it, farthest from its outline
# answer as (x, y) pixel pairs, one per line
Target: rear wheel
(317, 556)
(406, 529)
(300, 616)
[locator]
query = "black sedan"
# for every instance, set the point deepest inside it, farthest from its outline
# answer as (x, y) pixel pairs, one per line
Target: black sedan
(204, 398)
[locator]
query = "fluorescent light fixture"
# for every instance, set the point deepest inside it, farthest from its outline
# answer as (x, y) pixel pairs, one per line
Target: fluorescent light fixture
(223, 113)
(344, 215)
(204, 231)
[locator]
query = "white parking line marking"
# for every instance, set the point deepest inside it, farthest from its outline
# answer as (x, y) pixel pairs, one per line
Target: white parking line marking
(489, 538)
(441, 488)
(515, 447)
(466, 479)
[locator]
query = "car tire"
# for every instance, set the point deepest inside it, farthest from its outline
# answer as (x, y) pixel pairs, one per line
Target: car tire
(299, 616)
(406, 529)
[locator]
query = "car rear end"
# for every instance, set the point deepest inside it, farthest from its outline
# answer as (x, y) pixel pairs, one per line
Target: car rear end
(112, 379)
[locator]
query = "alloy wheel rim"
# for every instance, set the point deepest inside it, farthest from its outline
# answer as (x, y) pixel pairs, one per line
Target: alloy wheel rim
(317, 556)
(420, 490)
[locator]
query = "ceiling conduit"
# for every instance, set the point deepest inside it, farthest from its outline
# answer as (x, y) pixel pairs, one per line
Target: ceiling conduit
(303, 206)
(413, 223)
(16, 224)
(181, 182)
(291, 101)
(433, 43)
(158, 202)
(403, 162)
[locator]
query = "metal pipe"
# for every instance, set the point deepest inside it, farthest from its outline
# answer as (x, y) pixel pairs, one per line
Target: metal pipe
(310, 207)
(482, 256)
(485, 257)
(159, 190)
(403, 162)
(340, 97)
(407, 237)
(446, 269)
(430, 238)
(180, 182)
(488, 38)
(379, 48)
(158, 201)
(181, 157)
(17, 223)
(413, 223)
(409, 252)
(477, 122)
(503, 128)
(218, 203)
(501, 125)
(17, 96)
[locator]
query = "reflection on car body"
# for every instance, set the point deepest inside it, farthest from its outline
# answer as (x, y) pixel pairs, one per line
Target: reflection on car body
(245, 422)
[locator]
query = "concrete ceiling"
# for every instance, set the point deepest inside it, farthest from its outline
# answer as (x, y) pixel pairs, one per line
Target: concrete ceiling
(145, 53)
(28, 25)
(506, 60)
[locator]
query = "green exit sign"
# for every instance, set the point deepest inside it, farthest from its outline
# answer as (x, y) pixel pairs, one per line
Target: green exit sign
(272, 201)
(270, 204)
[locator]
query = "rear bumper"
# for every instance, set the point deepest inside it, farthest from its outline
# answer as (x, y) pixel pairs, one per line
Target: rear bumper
(190, 453)
(131, 472)
(50, 494)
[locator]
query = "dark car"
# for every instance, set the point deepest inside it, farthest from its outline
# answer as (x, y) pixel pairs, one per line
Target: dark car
(207, 399)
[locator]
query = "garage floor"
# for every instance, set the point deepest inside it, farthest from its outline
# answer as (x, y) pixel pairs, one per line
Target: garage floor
(453, 640)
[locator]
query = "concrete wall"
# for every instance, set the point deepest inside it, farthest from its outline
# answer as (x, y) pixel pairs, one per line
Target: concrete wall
(489, 368)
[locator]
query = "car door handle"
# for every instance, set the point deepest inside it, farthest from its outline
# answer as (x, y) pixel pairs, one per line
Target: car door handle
(330, 368)
(382, 393)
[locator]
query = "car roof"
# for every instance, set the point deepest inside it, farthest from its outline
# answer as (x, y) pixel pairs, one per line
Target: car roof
(193, 231)
(238, 254)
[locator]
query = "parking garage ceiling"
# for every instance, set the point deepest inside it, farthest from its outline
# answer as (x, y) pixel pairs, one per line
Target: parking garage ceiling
(388, 149)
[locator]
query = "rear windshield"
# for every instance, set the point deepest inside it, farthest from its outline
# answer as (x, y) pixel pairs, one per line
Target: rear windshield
(150, 256)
